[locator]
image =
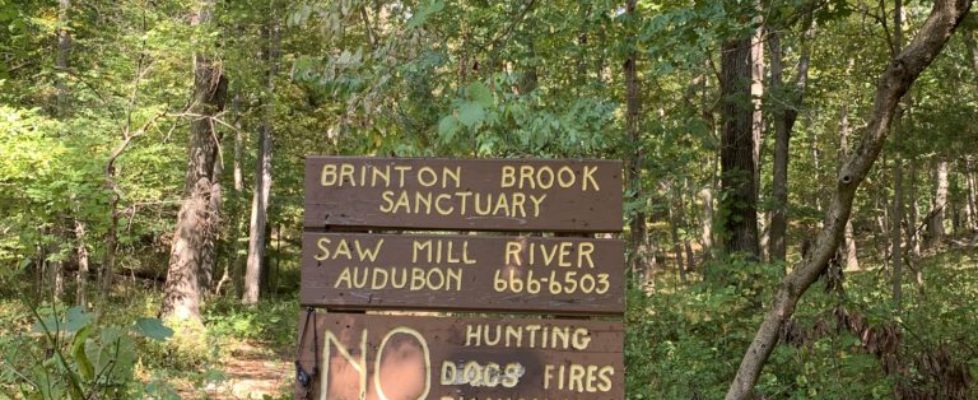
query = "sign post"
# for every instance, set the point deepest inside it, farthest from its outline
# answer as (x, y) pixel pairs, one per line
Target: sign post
(349, 271)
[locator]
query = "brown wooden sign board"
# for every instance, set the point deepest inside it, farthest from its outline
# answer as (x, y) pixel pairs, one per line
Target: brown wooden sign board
(453, 272)
(400, 357)
(474, 194)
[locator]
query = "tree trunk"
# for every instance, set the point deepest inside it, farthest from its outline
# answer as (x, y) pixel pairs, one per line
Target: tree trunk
(757, 115)
(706, 222)
(632, 114)
(935, 225)
(910, 223)
(61, 58)
(972, 206)
(972, 195)
(238, 143)
(675, 219)
(847, 249)
(81, 278)
(894, 83)
(257, 239)
(61, 111)
(738, 204)
(897, 213)
(786, 113)
(191, 256)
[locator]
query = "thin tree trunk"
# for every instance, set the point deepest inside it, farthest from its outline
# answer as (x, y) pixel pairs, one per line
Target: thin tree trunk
(739, 200)
(58, 277)
(897, 213)
(191, 255)
(61, 110)
(256, 264)
(706, 221)
(81, 278)
(972, 195)
(39, 269)
(675, 218)
(238, 143)
(938, 206)
(848, 248)
(61, 59)
(817, 166)
(786, 113)
(633, 111)
(894, 83)
(969, 40)
(914, 235)
(882, 236)
(256, 267)
(954, 204)
(706, 193)
(757, 116)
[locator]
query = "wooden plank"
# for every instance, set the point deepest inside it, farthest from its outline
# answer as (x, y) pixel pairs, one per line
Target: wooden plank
(474, 194)
(452, 272)
(452, 358)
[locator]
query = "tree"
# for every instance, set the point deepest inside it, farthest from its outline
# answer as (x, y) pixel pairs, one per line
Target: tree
(938, 213)
(896, 214)
(738, 203)
(263, 173)
(785, 115)
(900, 74)
(191, 255)
(641, 259)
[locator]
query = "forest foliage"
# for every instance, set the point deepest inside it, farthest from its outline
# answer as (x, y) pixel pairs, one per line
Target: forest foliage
(98, 125)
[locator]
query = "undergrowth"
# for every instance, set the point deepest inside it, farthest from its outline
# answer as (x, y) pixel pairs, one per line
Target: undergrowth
(685, 341)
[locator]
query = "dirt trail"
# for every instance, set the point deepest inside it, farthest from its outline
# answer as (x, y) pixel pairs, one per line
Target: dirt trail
(253, 371)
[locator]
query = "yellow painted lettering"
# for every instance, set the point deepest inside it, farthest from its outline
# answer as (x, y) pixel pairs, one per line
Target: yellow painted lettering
(589, 178)
(455, 176)
(526, 173)
(545, 177)
(322, 243)
(346, 173)
(427, 176)
(565, 177)
(438, 207)
(365, 253)
(328, 176)
(401, 169)
(388, 205)
(507, 177)
(565, 250)
(344, 277)
(513, 250)
(343, 249)
(584, 250)
(384, 174)
(537, 200)
(418, 246)
(604, 375)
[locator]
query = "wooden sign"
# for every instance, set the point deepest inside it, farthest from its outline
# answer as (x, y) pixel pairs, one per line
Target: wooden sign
(398, 357)
(451, 272)
(477, 194)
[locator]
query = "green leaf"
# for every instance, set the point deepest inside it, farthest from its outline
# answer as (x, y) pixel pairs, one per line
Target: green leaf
(419, 18)
(479, 93)
(471, 114)
(447, 128)
(152, 328)
(76, 320)
(85, 367)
